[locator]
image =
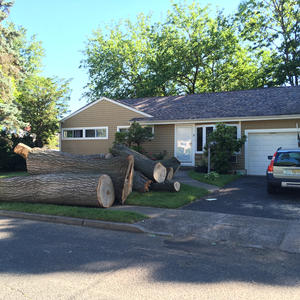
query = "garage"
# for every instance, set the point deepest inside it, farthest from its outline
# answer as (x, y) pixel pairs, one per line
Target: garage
(262, 143)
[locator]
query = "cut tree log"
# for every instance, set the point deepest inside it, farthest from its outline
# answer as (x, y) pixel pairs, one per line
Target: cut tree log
(120, 169)
(152, 169)
(170, 174)
(172, 162)
(141, 183)
(95, 190)
(168, 186)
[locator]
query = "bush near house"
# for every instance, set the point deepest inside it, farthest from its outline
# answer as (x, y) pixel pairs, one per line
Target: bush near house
(134, 137)
(223, 144)
(9, 161)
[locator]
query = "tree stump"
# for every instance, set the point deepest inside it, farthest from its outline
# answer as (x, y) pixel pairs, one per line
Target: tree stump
(172, 162)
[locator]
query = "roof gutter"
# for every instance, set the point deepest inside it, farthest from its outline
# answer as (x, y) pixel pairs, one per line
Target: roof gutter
(217, 120)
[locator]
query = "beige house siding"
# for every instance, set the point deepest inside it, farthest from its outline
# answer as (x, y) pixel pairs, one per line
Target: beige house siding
(103, 113)
(248, 125)
(163, 140)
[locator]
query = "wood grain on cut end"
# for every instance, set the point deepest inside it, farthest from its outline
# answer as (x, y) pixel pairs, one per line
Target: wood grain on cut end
(170, 173)
(159, 173)
(105, 191)
(23, 150)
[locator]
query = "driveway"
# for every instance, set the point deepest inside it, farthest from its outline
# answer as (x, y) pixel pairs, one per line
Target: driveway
(248, 196)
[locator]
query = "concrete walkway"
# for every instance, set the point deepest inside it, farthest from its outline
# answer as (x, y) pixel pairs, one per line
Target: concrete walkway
(183, 177)
(222, 228)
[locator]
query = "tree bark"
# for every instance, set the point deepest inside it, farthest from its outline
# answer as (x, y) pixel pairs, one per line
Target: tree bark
(151, 169)
(170, 174)
(167, 186)
(71, 189)
(120, 169)
(140, 182)
(171, 162)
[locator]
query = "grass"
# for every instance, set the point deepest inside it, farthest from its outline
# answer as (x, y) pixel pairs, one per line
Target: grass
(186, 195)
(12, 174)
(75, 212)
(221, 181)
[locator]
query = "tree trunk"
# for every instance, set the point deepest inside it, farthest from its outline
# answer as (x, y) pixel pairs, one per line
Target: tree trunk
(171, 162)
(170, 173)
(70, 189)
(168, 186)
(140, 182)
(120, 169)
(151, 169)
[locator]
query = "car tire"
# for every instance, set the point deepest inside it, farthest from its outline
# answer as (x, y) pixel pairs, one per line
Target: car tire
(271, 189)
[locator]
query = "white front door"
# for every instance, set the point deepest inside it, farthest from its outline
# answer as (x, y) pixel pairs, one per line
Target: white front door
(184, 144)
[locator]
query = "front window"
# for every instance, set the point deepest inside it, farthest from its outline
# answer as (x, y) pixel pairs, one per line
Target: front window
(85, 133)
(203, 133)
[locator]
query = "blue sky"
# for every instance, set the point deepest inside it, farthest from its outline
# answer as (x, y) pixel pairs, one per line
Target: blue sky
(64, 26)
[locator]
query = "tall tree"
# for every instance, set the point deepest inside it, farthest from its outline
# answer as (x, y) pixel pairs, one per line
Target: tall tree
(43, 101)
(116, 61)
(274, 25)
(19, 58)
(187, 52)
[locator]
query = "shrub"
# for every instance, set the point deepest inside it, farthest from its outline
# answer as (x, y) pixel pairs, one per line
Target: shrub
(9, 161)
(224, 144)
(212, 176)
(134, 137)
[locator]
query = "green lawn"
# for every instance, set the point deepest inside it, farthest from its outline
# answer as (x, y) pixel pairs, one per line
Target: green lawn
(12, 174)
(75, 212)
(221, 181)
(186, 195)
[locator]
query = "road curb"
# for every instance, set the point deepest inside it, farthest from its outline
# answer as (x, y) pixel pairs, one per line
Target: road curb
(82, 222)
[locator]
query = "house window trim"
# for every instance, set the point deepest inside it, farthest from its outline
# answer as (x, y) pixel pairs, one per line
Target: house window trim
(122, 127)
(152, 127)
(203, 136)
(83, 138)
(238, 126)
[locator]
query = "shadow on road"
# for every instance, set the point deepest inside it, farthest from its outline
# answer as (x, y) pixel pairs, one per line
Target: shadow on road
(38, 248)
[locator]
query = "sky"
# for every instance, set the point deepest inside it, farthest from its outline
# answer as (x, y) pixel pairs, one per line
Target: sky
(64, 26)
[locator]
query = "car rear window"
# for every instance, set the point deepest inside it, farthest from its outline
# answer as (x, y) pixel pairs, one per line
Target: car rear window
(287, 159)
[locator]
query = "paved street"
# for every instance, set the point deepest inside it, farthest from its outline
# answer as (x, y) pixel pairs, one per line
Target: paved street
(248, 196)
(53, 261)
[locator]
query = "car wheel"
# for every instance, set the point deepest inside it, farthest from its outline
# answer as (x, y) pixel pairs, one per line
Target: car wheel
(271, 188)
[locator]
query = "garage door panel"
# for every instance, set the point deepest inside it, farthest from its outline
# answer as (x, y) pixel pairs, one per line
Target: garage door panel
(261, 145)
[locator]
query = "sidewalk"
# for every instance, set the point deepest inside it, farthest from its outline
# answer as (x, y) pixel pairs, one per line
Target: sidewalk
(222, 228)
(183, 177)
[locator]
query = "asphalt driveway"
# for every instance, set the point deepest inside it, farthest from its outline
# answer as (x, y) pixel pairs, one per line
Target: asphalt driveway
(248, 196)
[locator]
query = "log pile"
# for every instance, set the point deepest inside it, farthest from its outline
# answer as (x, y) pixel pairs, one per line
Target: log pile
(149, 174)
(87, 180)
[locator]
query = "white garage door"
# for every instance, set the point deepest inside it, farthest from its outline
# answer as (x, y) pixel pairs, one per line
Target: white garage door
(261, 145)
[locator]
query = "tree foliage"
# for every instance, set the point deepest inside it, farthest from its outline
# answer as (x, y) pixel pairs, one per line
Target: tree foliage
(26, 97)
(274, 26)
(224, 144)
(187, 52)
(43, 101)
(134, 137)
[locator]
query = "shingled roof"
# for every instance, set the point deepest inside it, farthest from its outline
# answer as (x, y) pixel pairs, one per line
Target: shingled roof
(247, 103)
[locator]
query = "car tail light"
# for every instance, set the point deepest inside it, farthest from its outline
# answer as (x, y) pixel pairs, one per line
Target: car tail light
(271, 165)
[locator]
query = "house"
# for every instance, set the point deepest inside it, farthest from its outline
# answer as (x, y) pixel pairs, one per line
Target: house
(269, 117)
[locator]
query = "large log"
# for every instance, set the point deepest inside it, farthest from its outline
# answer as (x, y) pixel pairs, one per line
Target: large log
(167, 186)
(151, 169)
(172, 162)
(140, 182)
(71, 189)
(120, 169)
